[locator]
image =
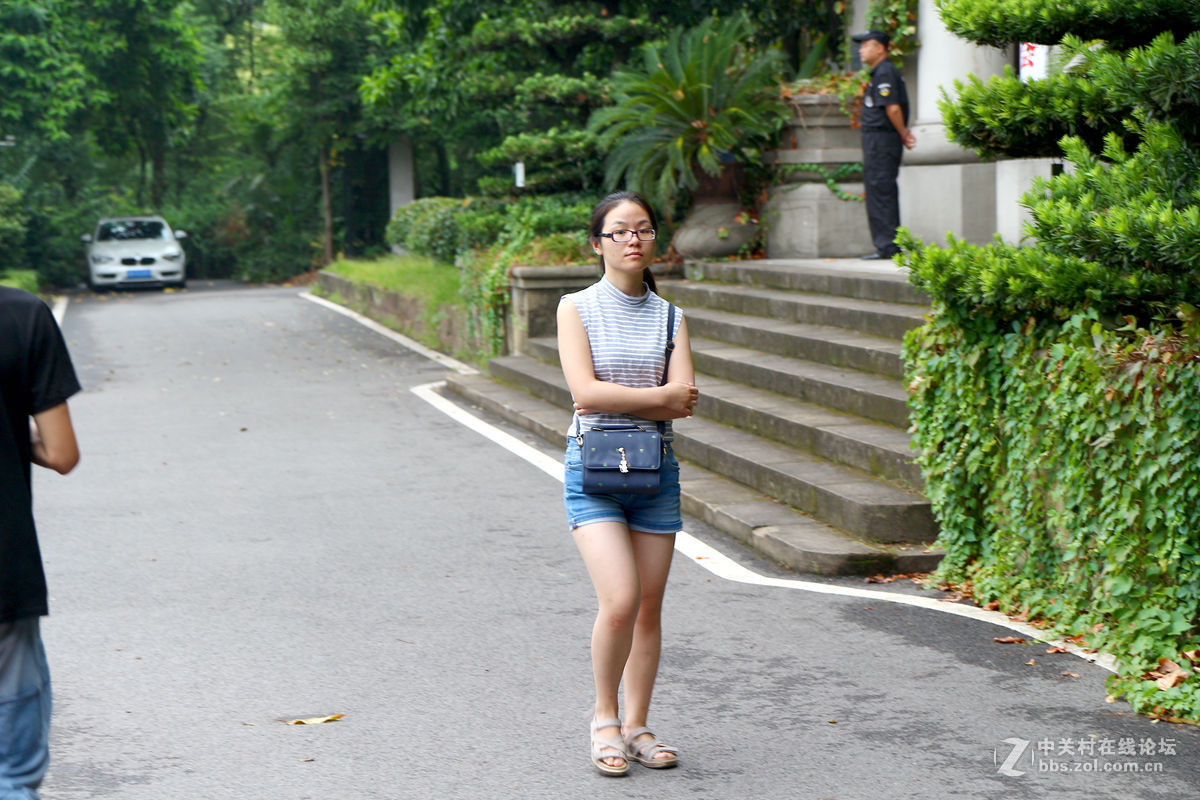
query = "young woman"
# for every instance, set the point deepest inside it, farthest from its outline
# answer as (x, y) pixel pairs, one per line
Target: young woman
(611, 341)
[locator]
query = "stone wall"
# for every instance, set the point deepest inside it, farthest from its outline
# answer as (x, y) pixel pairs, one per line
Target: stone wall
(449, 325)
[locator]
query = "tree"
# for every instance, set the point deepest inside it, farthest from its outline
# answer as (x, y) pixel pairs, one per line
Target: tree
(45, 83)
(483, 86)
(325, 54)
(144, 59)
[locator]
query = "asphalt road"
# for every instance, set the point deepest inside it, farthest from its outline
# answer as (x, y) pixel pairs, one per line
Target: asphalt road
(268, 525)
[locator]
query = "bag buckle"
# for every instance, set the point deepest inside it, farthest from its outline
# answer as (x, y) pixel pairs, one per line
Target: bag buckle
(624, 465)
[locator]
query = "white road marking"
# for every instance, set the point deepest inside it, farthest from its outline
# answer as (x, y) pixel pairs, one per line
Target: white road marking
(60, 309)
(441, 358)
(551, 466)
(725, 567)
(697, 551)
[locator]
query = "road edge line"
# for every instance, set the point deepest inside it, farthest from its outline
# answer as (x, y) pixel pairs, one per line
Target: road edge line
(59, 310)
(723, 566)
(398, 338)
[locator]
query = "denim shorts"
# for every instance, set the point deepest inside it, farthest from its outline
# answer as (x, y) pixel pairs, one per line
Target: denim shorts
(649, 513)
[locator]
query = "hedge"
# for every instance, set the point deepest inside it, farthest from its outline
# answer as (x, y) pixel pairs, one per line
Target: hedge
(1060, 457)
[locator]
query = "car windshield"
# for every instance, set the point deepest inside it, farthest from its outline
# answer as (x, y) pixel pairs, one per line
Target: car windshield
(132, 229)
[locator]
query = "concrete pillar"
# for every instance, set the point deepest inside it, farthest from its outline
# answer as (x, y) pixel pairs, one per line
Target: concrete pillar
(944, 58)
(402, 185)
(943, 187)
(1013, 179)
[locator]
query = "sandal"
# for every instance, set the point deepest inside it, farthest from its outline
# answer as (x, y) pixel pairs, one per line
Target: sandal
(604, 748)
(644, 752)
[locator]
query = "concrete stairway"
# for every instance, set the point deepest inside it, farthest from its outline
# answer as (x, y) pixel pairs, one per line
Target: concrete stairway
(798, 447)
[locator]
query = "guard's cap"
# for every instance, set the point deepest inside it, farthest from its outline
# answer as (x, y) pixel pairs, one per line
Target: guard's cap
(878, 36)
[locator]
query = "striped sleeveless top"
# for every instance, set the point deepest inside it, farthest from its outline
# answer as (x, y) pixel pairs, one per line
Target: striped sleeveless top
(628, 337)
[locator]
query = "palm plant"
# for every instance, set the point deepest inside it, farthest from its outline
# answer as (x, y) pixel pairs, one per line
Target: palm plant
(702, 99)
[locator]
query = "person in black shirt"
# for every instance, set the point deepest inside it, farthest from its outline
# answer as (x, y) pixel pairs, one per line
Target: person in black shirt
(885, 134)
(36, 378)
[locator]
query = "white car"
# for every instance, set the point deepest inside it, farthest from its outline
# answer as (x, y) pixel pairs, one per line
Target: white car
(135, 251)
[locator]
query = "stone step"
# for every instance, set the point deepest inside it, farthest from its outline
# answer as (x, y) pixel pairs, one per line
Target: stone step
(847, 498)
(794, 539)
(837, 347)
(872, 317)
(879, 449)
(884, 282)
(858, 393)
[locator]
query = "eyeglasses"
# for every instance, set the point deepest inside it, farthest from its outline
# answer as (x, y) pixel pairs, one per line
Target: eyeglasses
(623, 235)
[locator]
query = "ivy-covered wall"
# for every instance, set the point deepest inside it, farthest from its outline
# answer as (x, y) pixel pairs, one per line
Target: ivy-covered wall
(1061, 461)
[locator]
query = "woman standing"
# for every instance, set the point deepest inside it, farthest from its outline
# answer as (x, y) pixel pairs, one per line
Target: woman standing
(612, 343)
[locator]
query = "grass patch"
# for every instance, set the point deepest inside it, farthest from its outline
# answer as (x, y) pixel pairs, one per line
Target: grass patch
(26, 279)
(415, 276)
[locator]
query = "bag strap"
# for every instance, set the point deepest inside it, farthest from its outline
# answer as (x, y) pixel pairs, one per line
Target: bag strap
(662, 426)
(670, 341)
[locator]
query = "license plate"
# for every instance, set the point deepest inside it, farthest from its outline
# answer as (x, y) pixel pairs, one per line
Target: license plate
(138, 273)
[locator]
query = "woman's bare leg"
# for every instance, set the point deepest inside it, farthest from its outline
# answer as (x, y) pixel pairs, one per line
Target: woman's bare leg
(608, 553)
(652, 553)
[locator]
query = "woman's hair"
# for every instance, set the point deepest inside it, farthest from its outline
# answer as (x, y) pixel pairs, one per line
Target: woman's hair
(596, 226)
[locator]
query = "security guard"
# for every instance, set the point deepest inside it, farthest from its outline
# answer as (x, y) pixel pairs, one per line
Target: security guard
(885, 134)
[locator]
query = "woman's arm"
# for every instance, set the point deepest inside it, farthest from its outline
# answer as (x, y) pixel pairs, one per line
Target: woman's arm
(680, 370)
(594, 395)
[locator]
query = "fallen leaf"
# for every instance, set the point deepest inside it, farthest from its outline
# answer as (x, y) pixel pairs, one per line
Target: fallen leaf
(1169, 674)
(1171, 680)
(1057, 650)
(992, 606)
(1192, 655)
(1008, 640)
(1069, 675)
(312, 720)
(1031, 663)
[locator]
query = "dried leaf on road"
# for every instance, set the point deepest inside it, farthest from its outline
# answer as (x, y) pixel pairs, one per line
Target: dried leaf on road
(1031, 663)
(1008, 640)
(1069, 675)
(1170, 674)
(312, 720)
(1057, 649)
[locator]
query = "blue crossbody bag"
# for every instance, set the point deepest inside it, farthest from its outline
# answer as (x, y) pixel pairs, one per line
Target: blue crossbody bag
(626, 459)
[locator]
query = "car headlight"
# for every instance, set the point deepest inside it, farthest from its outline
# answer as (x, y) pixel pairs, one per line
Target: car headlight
(101, 259)
(172, 256)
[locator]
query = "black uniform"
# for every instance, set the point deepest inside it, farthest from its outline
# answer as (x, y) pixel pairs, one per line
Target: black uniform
(882, 150)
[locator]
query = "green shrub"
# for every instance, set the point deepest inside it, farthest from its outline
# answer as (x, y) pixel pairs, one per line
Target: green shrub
(447, 228)
(703, 98)
(999, 23)
(1053, 389)
(1005, 116)
(1060, 459)
(427, 226)
(26, 279)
